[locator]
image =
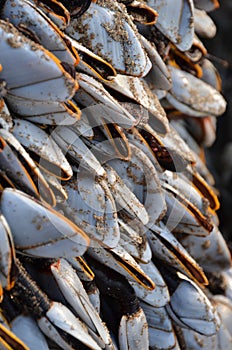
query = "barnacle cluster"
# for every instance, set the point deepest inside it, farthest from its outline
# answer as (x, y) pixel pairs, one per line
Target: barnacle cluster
(109, 233)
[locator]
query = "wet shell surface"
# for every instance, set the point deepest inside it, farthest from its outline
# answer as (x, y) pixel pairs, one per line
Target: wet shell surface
(109, 233)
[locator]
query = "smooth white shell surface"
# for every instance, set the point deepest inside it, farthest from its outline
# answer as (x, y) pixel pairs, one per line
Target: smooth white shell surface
(45, 232)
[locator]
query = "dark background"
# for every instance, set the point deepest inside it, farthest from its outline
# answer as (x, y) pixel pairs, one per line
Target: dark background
(219, 155)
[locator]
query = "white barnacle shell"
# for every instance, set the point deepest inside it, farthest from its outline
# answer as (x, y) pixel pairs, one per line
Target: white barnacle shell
(175, 21)
(157, 297)
(44, 232)
(194, 97)
(31, 71)
(7, 253)
(203, 24)
(199, 314)
(25, 328)
(92, 208)
(44, 112)
(48, 154)
(141, 177)
(20, 12)
(133, 331)
(109, 32)
(206, 5)
(75, 294)
(161, 332)
(138, 92)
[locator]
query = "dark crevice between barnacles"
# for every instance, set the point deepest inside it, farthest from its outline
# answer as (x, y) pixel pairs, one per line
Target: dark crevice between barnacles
(90, 286)
(140, 113)
(2, 2)
(104, 69)
(142, 14)
(168, 158)
(9, 311)
(204, 220)
(76, 7)
(126, 2)
(27, 293)
(31, 297)
(7, 175)
(154, 35)
(196, 273)
(9, 308)
(30, 34)
(40, 272)
(56, 7)
(217, 284)
(47, 166)
(26, 296)
(118, 298)
(69, 69)
(161, 42)
(169, 275)
(191, 68)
